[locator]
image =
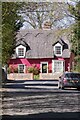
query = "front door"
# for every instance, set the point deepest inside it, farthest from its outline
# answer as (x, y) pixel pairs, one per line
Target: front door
(57, 66)
(44, 67)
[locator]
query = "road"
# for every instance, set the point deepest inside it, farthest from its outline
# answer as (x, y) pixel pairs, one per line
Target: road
(39, 101)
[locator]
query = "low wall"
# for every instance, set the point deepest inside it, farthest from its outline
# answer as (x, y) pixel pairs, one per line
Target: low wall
(29, 76)
(50, 76)
(20, 76)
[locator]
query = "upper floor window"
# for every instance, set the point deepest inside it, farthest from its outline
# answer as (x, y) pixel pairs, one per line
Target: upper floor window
(20, 52)
(58, 50)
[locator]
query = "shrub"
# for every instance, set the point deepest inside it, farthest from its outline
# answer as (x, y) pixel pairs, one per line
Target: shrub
(36, 77)
(16, 70)
(33, 69)
(12, 69)
(77, 64)
(8, 70)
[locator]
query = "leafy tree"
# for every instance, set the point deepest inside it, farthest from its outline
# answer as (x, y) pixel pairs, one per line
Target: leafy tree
(36, 13)
(75, 12)
(11, 23)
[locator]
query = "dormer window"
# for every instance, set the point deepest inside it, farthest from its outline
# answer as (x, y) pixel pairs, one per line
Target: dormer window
(20, 52)
(58, 49)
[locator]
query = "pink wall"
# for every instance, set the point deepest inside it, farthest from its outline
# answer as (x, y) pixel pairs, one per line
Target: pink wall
(30, 62)
(67, 64)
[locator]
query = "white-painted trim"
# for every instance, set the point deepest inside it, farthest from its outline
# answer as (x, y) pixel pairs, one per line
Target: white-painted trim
(41, 66)
(64, 66)
(20, 46)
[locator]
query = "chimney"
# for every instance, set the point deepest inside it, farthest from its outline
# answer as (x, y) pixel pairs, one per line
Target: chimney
(47, 25)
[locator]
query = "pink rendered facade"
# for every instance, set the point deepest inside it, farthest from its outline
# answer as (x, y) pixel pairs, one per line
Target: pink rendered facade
(30, 62)
(42, 49)
(37, 62)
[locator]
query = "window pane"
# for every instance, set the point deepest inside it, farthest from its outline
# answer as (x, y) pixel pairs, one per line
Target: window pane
(58, 67)
(58, 49)
(20, 51)
(44, 68)
(21, 68)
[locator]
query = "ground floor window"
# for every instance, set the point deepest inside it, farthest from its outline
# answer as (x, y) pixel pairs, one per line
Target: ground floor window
(44, 67)
(21, 68)
(58, 65)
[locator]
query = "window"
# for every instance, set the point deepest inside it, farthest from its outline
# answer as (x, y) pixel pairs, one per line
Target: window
(21, 68)
(20, 52)
(58, 66)
(44, 67)
(58, 50)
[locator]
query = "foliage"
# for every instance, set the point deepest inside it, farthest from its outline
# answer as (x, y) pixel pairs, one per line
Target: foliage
(11, 23)
(75, 11)
(8, 70)
(12, 69)
(15, 70)
(76, 39)
(77, 64)
(36, 77)
(37, 13)
(33, 69)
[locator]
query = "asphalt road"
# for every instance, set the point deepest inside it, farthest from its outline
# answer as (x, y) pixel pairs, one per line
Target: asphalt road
(39, 101)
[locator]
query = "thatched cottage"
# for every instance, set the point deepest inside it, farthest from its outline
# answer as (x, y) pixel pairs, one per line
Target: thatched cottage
(49, 53)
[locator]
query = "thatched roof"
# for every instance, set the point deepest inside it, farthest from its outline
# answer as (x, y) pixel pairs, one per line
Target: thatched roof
(39, 43)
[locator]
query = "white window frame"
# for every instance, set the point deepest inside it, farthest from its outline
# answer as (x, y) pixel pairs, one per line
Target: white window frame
(21, 52)
(57, 45)
(17, 50)
(41, 66)
(19, 68)
(53, 64)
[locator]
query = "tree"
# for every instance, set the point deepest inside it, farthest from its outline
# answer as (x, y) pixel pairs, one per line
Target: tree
(36, 13)
(11, 23)
(75, 12)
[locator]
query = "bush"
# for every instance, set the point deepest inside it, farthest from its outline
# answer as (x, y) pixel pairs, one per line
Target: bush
(15, 70)
(77, 64)
(12, 69)
(36, 77)
(33, 69)
(8, 70)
